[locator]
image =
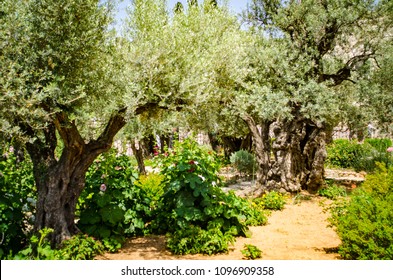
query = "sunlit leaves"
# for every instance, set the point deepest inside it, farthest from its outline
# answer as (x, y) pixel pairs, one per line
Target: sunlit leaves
(53, 58)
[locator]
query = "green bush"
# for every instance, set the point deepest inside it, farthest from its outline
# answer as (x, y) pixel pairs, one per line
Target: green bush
(111, 205)
(194, 207)
(79, 247)
(17, 201)
(332, 192)
(152, 185)
(373, 151)
(365, 222)
(381, 144)
(38, 248)
(271, 201)
(344, 153)
(195, 240)
(243, 161)
(251, 252)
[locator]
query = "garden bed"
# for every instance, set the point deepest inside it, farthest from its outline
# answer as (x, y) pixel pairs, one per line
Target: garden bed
(299, 232)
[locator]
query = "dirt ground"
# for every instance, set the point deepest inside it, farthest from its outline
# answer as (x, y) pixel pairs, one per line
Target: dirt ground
(299, 232)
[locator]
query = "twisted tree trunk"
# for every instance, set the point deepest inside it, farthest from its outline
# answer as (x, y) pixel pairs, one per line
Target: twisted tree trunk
(299, 154)
(60, 182)
(290, 154)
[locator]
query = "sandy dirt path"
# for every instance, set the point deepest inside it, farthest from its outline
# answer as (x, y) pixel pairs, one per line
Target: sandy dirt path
(299, 232)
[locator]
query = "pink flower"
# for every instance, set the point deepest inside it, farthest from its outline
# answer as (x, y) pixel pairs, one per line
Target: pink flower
(103, 187)
(390, 149)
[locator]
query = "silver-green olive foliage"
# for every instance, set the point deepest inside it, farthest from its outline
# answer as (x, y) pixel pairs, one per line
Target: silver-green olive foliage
(186, 59)
(55, 57)
(309, 50)
(59, 80)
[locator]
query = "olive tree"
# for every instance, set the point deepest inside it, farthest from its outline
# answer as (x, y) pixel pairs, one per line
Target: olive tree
(63, 83)
(68, 84)
(308, 52)
(54, 63)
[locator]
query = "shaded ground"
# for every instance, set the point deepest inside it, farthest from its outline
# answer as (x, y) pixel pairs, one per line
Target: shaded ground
(299, 232)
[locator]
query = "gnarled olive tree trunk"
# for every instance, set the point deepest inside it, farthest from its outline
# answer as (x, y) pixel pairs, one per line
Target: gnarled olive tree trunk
(290, 154)
(60, 181)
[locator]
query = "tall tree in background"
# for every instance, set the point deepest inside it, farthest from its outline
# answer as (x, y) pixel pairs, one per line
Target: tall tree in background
(309, 51)
(203, 43)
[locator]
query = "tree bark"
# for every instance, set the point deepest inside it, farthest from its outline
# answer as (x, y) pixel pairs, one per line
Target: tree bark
(299, 153)
(262, 148)
(138, 153)
(148, 145)
(165, 142)
(60, 182)
(290, 154)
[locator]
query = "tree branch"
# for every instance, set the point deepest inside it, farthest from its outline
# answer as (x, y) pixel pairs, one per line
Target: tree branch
(105, 140)
(326, 42)
(344, 73)
(68, 131)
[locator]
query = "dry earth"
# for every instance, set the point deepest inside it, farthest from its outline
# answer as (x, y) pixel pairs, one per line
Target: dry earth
(299, 232)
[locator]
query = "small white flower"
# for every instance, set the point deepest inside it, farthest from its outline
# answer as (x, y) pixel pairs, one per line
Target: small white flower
(203, 178)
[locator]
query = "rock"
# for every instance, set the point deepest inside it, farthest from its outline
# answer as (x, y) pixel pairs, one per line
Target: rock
(345, 177)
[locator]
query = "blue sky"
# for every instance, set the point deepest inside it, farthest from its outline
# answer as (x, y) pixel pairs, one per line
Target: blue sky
(236, 6)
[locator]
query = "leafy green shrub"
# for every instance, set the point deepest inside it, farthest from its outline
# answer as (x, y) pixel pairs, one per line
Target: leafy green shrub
(152, 185)
(342, 153)
(332, 191)
(365, 222)
(194, 240)
(112, 206)
(351, 154)
(79, 247)
(251, 252)
(372, 151)
(272, 201)
(38, 248)
(194, 207)
(17, 200)
(243, 161)
(381, 144)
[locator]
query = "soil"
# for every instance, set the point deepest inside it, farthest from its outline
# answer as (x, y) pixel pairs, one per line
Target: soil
(299, 232)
